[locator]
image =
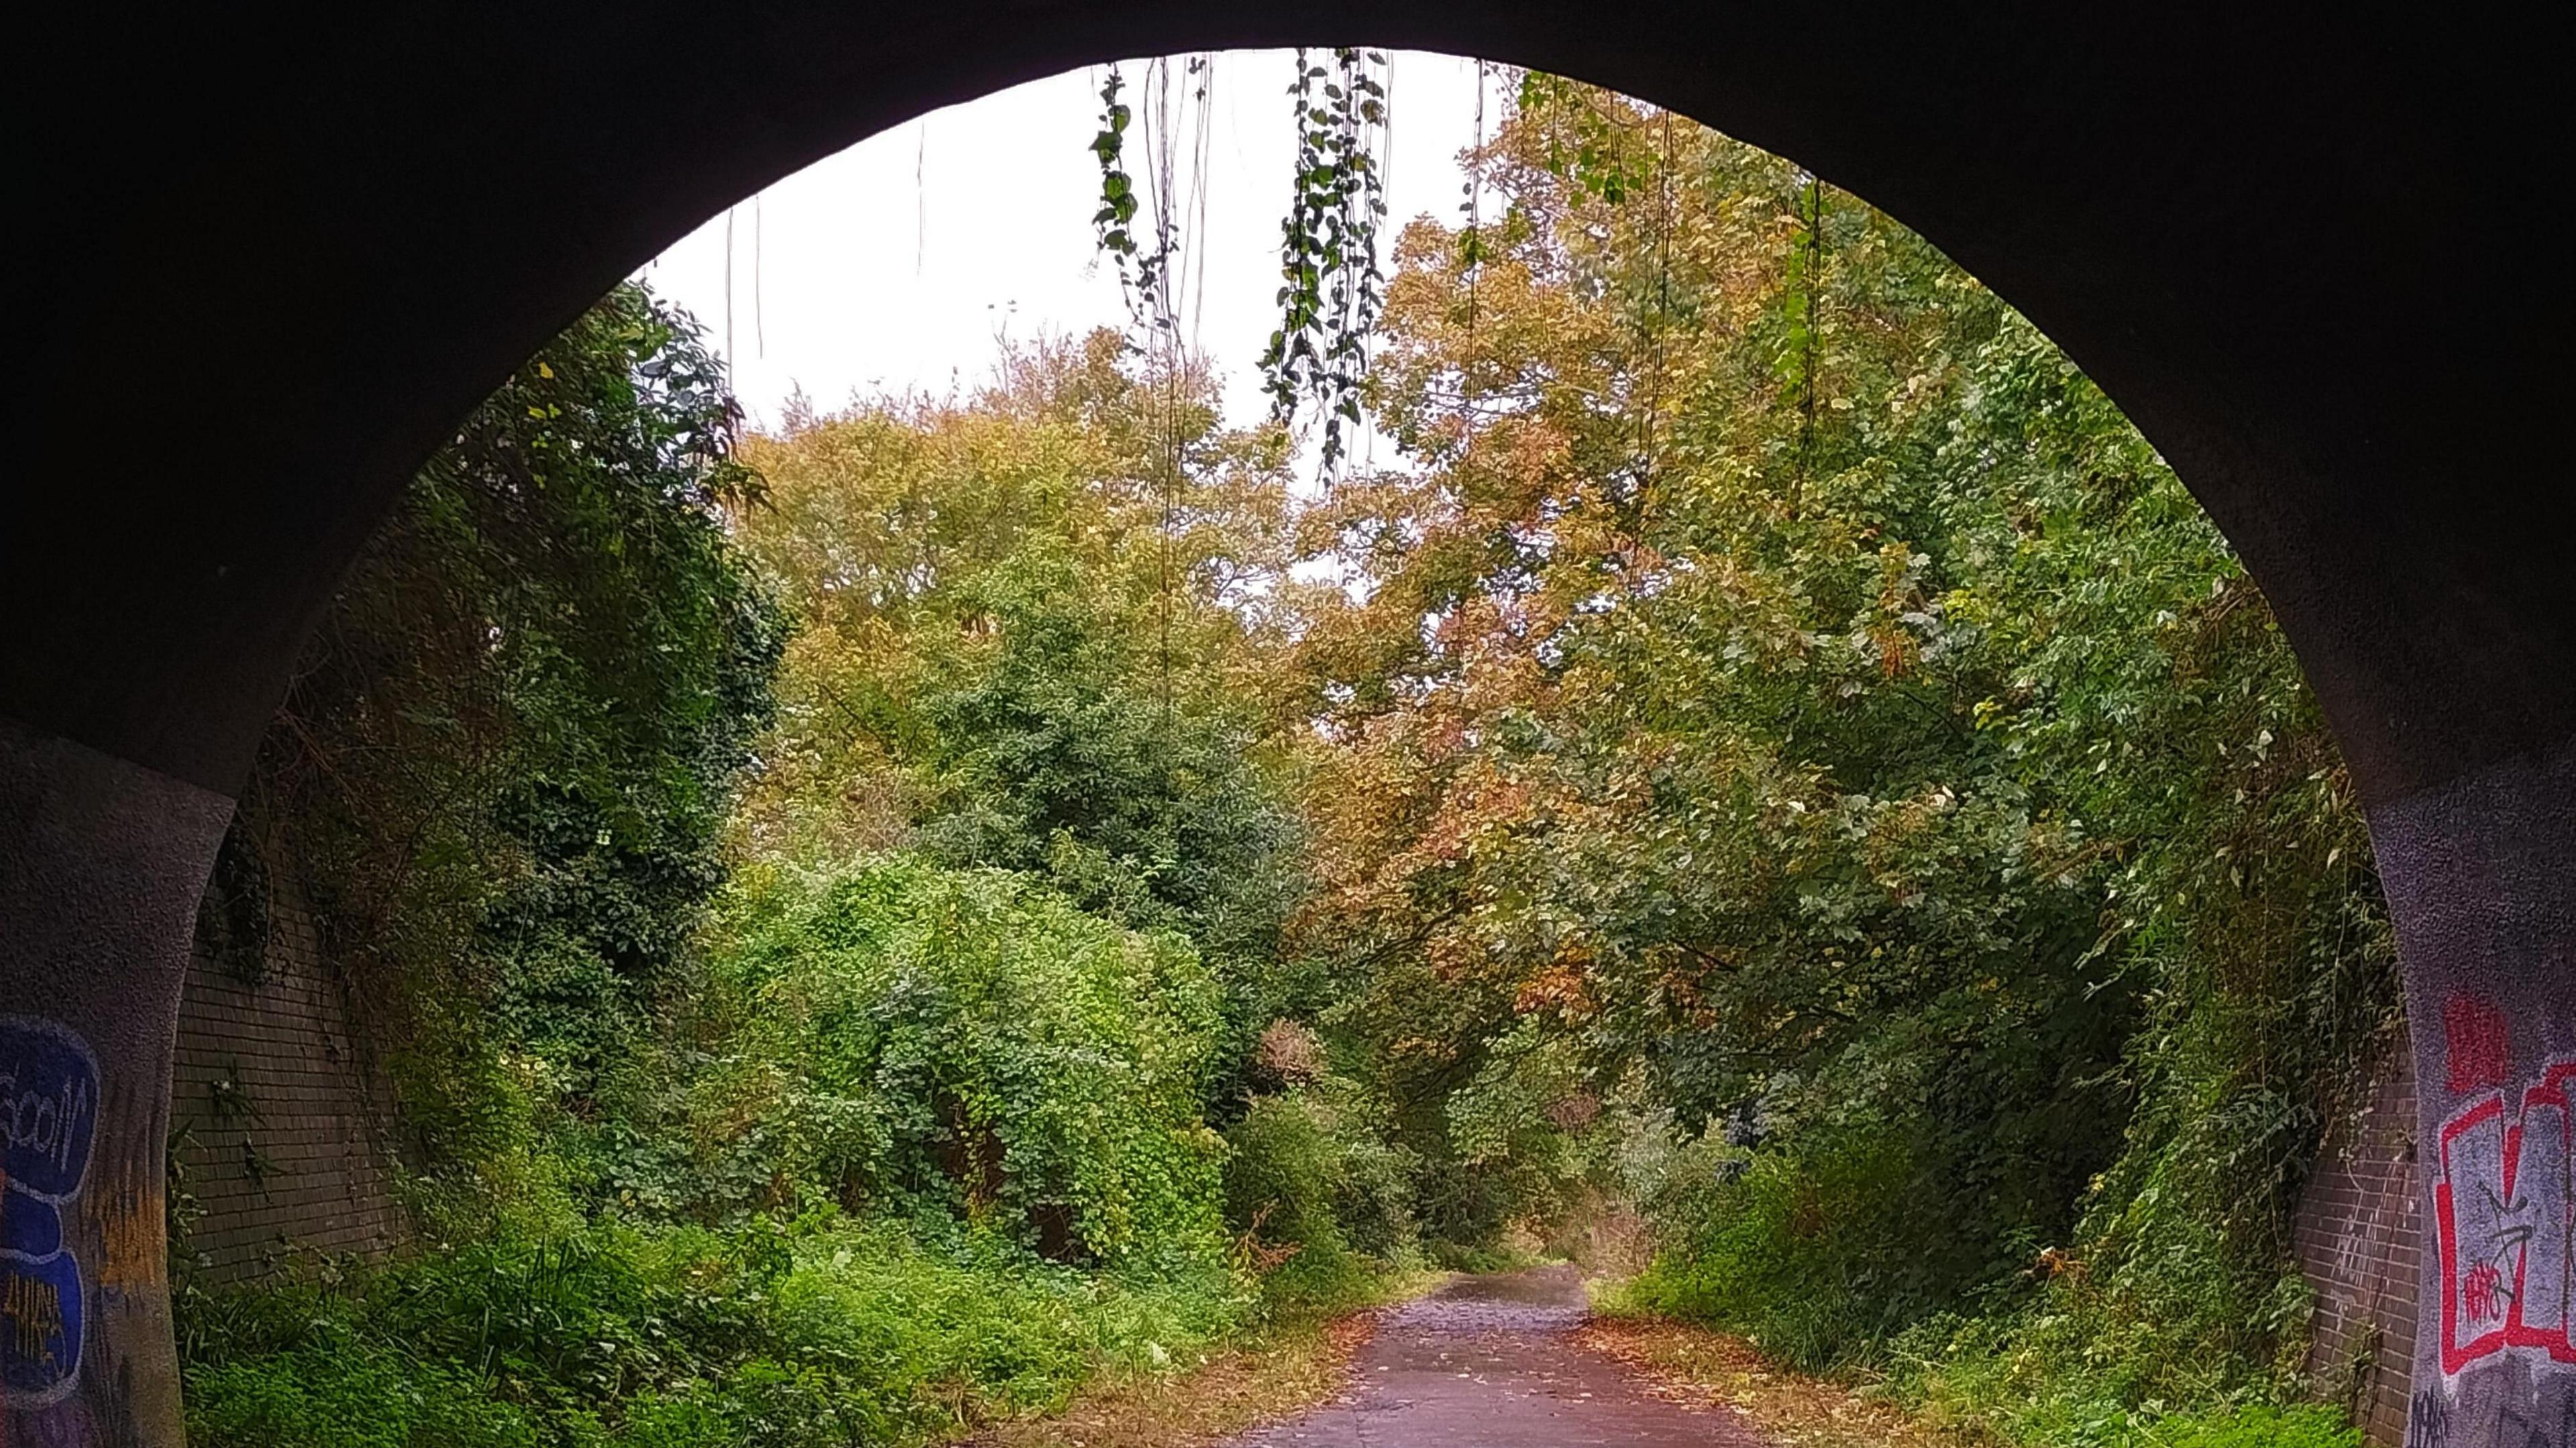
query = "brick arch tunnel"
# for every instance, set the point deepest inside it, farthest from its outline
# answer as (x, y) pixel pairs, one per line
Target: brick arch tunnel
(263, 265)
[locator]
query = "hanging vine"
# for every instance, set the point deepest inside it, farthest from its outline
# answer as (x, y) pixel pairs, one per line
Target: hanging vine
(1654, 319)
(1154, 275)
(1471, 236)
(1807, 279)
(1144, 274)
(1333, 289)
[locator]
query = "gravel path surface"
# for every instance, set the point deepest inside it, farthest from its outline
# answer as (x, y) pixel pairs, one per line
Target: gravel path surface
(1491, 1362)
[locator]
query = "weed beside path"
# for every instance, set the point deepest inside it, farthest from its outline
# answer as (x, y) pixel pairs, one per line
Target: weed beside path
(1278, 1371)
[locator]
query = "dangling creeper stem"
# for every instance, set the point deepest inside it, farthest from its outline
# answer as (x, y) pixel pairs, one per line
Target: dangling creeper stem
(1475, 248)
(1808, 305)
(1663, 305)
(1328, 250)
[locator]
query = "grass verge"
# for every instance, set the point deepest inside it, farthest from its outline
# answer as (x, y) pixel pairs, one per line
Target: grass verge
(1278, 1370)
(1697, 1365)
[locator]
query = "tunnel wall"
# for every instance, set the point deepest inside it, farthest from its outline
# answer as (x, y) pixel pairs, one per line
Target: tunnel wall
(2481, 881)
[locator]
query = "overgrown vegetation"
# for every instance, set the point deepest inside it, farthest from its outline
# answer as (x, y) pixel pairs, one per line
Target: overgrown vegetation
(919, 1119)
(1796, 753)
(873, 925)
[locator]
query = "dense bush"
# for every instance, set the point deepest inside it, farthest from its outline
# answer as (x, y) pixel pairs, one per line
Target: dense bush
(946, 1126)
(1322, 1203)
(903, 1037)
(503, 769)
(887, 1145)
(1819, 1251)
(2055, 1379)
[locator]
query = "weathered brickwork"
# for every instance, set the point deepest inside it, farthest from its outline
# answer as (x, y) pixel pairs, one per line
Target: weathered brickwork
(2358, 1233)
(277, 1122)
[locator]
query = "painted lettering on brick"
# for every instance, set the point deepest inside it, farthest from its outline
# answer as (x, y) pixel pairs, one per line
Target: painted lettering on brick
(49, 1096)
(2429, 1424)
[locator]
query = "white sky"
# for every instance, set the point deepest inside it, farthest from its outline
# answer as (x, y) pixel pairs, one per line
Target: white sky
(894, 265)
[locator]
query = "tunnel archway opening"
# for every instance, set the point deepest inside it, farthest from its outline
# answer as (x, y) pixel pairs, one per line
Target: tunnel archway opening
(382, 299)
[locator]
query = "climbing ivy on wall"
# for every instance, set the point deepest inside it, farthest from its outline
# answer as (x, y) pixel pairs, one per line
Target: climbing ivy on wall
(506, 757)
(233, 915)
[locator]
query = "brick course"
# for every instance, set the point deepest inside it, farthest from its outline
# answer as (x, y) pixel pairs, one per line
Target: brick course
(2357, 1234)
(280, 1127)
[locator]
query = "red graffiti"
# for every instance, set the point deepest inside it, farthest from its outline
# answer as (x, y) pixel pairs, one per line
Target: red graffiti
(2503, 1223)
(2479, 1295)
(2480, 1041)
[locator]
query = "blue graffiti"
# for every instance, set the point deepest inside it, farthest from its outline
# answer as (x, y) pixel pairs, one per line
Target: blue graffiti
(49, 1098)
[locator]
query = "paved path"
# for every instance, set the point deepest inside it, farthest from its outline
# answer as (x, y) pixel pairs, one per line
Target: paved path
(1490, 1362)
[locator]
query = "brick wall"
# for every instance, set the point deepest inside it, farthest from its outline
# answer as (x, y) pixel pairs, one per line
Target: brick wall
(278, 1123)
(2356, 1236)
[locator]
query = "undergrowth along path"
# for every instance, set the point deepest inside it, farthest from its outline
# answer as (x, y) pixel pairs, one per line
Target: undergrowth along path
(1267, 1377)
(1495, 1361)
(1789, 1409)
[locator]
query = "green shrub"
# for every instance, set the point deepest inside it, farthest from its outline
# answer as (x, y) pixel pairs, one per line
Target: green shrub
(2066, 1372)
(825, 1332)
(1318, 1198)
(904, 1038)
(348, 1393)
(1822, 1250)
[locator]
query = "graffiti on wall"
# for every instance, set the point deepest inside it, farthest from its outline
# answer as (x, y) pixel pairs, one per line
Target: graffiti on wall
(49, 1095)
(2502, 1199)
(2437, 1423)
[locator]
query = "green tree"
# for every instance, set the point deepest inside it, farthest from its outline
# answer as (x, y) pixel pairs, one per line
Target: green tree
(505, 764)
(1033, 625)
(899, 1037)
(1791, 686)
